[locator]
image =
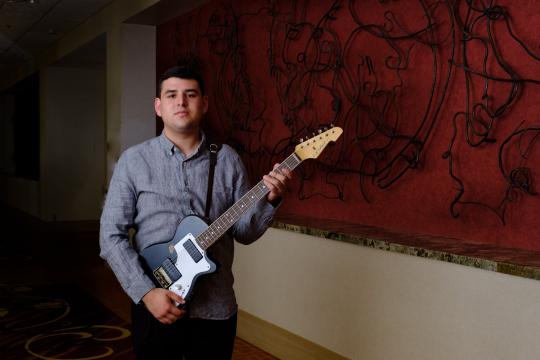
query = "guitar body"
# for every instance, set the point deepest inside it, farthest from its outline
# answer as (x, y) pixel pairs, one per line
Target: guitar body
(177, 264)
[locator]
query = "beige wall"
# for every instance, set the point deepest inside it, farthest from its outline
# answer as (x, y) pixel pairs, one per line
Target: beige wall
(364, 303)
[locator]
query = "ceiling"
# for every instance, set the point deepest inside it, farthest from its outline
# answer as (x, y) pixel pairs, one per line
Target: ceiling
(28, 27)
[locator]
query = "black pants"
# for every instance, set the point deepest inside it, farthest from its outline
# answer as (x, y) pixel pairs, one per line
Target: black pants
(188, 338)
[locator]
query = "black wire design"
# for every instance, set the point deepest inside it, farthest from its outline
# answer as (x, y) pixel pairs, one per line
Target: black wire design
(480, 117)
(359, 79)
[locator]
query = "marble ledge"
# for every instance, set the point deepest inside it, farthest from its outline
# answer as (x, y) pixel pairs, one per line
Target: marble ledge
(517, 262)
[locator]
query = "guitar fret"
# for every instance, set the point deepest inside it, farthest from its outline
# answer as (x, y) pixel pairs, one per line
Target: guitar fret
(235, 212)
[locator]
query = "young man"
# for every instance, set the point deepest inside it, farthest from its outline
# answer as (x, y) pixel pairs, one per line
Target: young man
(154, 186)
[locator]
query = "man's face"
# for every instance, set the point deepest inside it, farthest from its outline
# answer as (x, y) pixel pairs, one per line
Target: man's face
(181, 105)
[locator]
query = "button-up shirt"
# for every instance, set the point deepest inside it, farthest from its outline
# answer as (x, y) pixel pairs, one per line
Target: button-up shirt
(153, 187)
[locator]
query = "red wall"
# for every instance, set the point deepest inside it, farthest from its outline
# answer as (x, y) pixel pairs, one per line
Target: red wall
(391, 74)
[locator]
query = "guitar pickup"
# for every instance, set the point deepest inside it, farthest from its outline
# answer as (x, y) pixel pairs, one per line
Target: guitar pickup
(193, 251)
(167, 273)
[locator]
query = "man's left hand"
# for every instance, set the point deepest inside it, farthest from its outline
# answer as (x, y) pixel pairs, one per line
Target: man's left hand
(276, 181)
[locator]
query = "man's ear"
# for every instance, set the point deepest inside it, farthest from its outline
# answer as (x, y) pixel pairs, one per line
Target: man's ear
(157, 103)
(205, 104)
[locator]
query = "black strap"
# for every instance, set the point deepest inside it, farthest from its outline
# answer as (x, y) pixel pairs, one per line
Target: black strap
(213, 148)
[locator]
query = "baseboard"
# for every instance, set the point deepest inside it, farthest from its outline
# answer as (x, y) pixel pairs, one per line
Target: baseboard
(280, 342)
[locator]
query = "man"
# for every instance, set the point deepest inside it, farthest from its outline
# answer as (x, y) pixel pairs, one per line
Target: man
(154, 186)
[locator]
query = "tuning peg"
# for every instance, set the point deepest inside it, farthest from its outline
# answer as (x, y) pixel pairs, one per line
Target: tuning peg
(301, 140)
(320, 131)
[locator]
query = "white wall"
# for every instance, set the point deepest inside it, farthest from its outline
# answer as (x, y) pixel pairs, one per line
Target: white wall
(131, 84)
(371, 304)
(73, 143)
(138, 84)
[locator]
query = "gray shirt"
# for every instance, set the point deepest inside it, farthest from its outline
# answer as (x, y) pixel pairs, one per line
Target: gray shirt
(154, 186)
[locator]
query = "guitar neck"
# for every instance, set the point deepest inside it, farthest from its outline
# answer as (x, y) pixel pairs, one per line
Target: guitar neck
(220, 226)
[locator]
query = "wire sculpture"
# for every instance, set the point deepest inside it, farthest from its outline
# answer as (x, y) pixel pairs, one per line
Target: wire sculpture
(356, 64)
(481, 116)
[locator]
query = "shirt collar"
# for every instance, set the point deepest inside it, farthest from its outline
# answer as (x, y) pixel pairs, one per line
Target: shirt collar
(171, 149)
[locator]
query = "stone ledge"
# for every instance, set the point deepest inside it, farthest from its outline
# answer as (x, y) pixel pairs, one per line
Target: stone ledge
(517, 262)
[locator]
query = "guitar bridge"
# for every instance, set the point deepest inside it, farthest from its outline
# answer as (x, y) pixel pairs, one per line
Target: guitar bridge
(167, 274)
(161, 276)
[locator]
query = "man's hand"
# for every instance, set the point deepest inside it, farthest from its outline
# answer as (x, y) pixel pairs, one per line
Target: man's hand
(160, 303)
(276, 181)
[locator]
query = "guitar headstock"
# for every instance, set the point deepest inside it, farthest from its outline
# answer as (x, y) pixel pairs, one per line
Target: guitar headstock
(312, 148)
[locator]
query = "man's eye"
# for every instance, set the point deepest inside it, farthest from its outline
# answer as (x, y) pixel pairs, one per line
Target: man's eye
(192, 95)
(171, 96)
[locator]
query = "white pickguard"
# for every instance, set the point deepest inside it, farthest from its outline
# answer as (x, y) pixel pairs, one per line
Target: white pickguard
(189, 269)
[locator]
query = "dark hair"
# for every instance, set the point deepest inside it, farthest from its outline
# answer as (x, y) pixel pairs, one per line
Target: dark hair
(182, 72)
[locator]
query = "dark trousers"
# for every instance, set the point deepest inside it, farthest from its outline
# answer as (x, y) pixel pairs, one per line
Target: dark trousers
(186, 338)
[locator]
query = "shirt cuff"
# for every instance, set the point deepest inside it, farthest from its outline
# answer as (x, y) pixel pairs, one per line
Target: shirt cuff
(276, 203)
(140, 288)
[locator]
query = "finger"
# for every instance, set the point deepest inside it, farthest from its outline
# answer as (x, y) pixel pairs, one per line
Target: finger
(282, 176)
(175, 297)
(175, 311)
(271, 182)
(286, 173)
(173, 315)
(276, 172)
(277, 176)
(172, 318)
(166, 320)
(275, 191)
(278, 180)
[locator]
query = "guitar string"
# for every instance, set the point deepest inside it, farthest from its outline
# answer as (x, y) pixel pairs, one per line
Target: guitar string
(229, 217)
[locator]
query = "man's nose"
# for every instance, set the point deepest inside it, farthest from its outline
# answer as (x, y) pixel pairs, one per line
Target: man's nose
(183, 100)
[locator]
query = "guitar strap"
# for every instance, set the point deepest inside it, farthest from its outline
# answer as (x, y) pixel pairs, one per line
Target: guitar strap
(213, 148)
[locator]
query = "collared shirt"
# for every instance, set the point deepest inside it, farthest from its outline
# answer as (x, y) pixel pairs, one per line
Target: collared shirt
(154, 186)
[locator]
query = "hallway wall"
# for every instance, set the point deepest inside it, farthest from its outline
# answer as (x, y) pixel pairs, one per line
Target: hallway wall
(371, 304)
(73, 146)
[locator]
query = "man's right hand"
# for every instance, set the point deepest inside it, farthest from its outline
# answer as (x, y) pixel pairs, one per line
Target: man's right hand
(161, 304)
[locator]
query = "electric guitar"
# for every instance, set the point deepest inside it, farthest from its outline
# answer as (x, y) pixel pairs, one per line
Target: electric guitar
(176, 265)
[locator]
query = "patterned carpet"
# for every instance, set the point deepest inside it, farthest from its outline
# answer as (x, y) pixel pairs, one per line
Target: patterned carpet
(58, 322)
(44, 314)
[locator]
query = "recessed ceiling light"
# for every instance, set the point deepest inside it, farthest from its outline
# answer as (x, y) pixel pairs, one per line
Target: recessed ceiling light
(21, 1)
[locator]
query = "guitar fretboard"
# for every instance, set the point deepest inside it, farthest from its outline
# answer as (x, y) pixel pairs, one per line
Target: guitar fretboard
(235, 212)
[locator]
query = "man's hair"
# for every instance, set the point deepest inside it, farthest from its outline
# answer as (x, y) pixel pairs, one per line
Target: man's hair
(182, 72)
